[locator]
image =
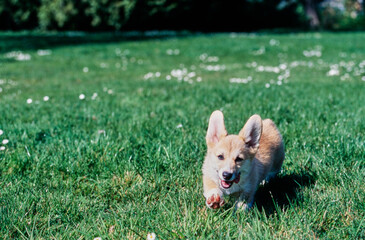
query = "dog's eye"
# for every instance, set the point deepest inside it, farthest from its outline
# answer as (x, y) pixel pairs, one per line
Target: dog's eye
(238, 159)
(221, 157)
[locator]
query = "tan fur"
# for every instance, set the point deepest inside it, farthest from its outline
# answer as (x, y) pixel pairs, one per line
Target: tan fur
(259, 145)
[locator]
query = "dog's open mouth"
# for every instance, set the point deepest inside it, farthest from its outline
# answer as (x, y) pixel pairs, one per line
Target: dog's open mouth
(228, 184)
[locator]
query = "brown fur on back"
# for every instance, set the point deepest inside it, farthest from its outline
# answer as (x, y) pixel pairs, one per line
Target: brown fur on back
(271, 150)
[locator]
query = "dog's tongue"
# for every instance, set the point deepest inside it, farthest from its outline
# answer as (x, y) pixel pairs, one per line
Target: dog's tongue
(226, 184)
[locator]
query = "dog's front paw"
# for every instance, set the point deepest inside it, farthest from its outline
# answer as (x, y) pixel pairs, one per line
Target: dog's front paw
(243, 206)
(214, 199)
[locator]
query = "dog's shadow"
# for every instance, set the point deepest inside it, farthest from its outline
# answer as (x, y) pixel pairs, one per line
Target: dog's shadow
(282, 190)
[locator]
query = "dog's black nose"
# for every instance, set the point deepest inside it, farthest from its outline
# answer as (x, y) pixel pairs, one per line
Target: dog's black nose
(227, 175)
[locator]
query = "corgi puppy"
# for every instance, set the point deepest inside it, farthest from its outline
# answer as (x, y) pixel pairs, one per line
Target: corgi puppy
(236, 164)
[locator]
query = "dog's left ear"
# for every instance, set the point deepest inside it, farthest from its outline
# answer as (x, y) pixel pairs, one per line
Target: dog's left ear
(251, 133)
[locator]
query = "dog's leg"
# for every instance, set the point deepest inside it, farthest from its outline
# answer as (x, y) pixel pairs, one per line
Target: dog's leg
(242, 203)
(245, 201)
(212, 193)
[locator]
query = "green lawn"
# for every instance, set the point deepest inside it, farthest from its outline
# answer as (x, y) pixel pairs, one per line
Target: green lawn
(126, 160)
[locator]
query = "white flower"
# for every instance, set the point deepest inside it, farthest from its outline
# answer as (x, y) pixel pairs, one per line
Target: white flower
(274, 42)
(19, 56)
(345, 77)
(267, 85)
(312, 53)
(151, 236)
(333, 72)
(212, 59)
(29, 100)
(240, 80)
(215, 67)
(82, 96)
(203, 56)
(192, 74)
(1, 132)
(157, 74)
(5, 141)
(148, 75)
(97, 238)
(179, 126)
(85, 69)
(260, 51)
(23, 57)
(363, 78)
(168, 77)
(94, 96)
(110, 91)
(45, 98)
(2, 148)
(44, 52)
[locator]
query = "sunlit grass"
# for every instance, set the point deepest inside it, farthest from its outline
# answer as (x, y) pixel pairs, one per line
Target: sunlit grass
(106, 135)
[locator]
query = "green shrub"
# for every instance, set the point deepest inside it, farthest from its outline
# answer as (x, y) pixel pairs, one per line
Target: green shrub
(56, 13)
(109, 13)
(209, 15)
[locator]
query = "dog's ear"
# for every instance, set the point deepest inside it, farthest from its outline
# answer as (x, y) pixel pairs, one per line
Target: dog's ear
(251, 133)
(216, 129)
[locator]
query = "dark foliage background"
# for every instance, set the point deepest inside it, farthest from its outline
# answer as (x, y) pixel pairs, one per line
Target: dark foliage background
(196, 15)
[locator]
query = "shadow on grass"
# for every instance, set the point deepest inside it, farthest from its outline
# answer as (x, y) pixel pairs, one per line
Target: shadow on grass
(282, 190)
(33, 40)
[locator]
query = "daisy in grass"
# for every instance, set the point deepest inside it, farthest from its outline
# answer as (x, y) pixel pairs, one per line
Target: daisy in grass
(151, 236)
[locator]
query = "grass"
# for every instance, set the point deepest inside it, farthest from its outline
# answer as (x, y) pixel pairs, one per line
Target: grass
(128, 161)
